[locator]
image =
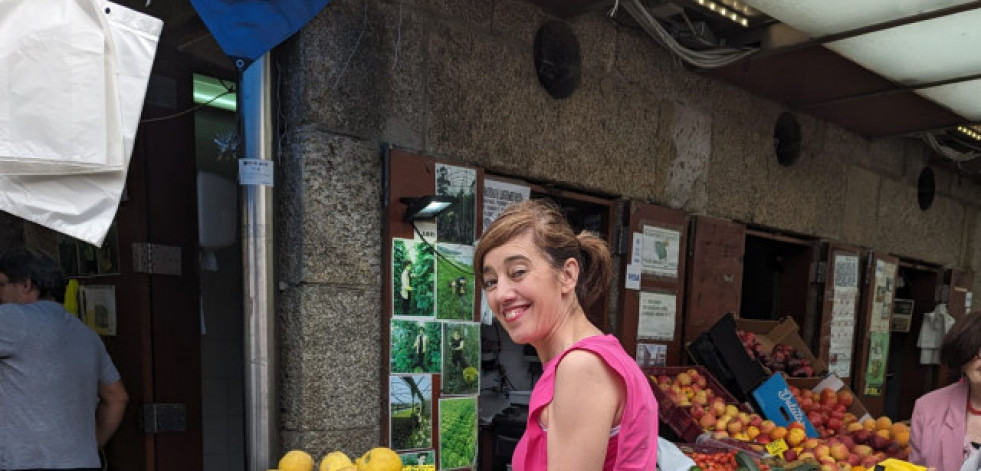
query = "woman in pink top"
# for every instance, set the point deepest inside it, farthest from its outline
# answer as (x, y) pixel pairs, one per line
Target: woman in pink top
(592, 409)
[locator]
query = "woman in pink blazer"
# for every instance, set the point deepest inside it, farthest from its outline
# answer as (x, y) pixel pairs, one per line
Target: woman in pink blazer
(946, 423)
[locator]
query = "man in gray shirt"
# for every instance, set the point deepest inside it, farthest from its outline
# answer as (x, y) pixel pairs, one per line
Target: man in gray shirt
(61, 397)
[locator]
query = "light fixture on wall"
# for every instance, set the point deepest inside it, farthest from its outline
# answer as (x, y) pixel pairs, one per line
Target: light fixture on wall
(426, 207)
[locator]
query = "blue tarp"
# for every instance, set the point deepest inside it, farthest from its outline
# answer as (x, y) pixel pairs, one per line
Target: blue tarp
(247, 29)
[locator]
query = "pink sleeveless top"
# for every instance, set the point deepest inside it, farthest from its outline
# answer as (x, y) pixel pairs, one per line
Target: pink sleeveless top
(632, 445)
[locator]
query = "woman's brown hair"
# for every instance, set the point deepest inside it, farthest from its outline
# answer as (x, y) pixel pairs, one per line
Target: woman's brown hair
(962, 343)
(555, 238)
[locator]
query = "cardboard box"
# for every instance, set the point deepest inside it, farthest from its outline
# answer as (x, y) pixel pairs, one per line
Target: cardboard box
(784, 331)
(836, 384)
(775, 402)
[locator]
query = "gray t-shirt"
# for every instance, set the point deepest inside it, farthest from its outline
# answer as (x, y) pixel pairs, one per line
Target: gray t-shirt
(51, 366)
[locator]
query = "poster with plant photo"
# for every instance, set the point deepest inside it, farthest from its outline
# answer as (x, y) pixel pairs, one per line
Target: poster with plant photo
(454, 282)
(456, 224)
(415, 347)
(410, 403)
(413, 277)
(457, 432)
(461, 351)
(423, 460)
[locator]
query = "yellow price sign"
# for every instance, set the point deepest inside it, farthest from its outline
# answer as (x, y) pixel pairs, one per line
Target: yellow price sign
(777, 447)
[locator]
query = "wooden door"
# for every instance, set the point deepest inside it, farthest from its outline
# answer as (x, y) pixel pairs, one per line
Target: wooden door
(157, 349)
(957, 286)
(921, 285)
(714, 273)
(651, 308)
(872, 335)
(839, 306)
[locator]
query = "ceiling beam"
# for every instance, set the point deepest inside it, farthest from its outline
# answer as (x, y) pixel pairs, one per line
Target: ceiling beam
(889, 91)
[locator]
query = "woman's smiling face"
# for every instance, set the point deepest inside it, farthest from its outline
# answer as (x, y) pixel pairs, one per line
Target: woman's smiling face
(524, 290)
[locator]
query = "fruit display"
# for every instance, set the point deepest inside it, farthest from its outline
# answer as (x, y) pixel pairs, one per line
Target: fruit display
(731, 460)
(782, 357)
(376, 459)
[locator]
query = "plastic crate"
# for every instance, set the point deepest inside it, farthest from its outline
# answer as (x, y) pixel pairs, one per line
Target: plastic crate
(676, 417)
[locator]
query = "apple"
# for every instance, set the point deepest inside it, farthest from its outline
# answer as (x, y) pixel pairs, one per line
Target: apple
(839, 451)
(790, 455)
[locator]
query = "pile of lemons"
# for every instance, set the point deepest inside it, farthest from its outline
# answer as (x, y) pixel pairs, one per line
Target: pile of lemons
(376, 459)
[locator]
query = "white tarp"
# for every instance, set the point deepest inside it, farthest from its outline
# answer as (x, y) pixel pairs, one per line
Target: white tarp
(59, 189)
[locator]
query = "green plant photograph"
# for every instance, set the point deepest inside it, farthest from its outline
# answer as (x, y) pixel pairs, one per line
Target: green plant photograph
(413, 277)
(454, 282)
(410, 402)
(457, 432)
(415, 347)
(456, 224)
(461, 351)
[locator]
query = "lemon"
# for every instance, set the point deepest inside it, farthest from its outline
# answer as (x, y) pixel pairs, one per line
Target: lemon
(296, 460)
(335, 461)
(380, 459)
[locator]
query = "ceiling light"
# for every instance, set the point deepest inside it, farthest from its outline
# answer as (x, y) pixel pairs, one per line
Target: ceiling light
(731, 15)
(970, 132)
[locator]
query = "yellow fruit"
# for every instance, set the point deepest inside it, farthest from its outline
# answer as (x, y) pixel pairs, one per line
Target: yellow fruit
(380, 459)
(296, 460)
(334, 461)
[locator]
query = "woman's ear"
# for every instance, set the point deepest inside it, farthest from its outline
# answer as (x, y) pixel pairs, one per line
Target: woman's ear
(569, 276)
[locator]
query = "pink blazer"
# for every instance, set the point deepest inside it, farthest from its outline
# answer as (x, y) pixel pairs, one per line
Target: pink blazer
(937, 428)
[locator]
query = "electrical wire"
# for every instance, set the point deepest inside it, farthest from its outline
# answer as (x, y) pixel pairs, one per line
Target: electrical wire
(464, 270)
(957, 156)
(707, 59)
(189, 110)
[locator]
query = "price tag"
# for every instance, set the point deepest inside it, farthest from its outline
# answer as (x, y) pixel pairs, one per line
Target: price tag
(776, 447)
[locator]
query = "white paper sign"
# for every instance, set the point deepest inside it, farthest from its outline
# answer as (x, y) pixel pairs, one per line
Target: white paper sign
(425, 231)
(846, 271)
(660, 252)
(657, 316)
(255, 172)
(498, 195)
(842, 331)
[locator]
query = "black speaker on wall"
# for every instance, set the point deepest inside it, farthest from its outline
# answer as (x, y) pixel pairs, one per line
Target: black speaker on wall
(558, 61)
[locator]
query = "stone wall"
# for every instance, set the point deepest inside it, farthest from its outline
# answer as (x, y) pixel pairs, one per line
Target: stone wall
(455, 78)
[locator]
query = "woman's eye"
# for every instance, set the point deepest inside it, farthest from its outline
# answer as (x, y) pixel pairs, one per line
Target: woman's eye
(489, 284)
(518, 272)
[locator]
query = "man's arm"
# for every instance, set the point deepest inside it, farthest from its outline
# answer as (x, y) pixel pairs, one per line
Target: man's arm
(108, 415)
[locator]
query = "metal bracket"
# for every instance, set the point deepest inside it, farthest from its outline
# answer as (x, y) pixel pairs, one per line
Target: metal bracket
(624, 239)
(161, 418)
(156, 259)
(820, 272)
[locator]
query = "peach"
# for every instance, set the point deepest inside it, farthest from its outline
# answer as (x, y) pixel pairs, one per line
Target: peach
(869, 424)
(811, 443)
(795, 436)
(822, 451)
(884, 433)
(854, 427)
(839, 451)
(868, 462)
(797, 425)
(862, 450)
(767, 426)
(683, 379)
(752, 432)
(719, 407)
(778, 433)
(707, 421)
(755, 420)
(901, 437)
(883, 423)
(735, 426)
(731, 410)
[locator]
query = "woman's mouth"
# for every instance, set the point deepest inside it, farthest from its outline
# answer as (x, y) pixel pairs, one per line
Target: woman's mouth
(513, 313)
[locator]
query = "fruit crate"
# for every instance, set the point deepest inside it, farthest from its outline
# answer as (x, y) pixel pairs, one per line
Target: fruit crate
(676, 417)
